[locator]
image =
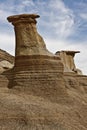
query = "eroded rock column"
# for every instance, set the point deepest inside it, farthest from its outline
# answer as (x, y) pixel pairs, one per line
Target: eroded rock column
(28, 41)
(67, 58)
(35, 67)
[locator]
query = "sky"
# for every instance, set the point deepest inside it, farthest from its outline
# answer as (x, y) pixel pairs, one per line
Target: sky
(62, 24)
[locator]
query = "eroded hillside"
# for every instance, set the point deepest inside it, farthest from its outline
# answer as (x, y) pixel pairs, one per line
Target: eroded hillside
(40, 90)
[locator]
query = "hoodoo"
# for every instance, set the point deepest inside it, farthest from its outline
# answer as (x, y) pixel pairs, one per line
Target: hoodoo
(34, 65)
(67, 58)
(47, 92)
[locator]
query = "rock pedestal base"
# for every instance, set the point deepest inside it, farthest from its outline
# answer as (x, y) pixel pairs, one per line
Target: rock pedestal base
(41, 75)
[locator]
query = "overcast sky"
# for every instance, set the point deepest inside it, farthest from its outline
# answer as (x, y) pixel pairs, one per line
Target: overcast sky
(62, 24)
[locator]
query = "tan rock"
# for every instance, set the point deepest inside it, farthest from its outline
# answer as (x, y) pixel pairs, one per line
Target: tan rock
(6, 56)
(6, 61)
(28, 41)
(35, 66)
(5, 65)
(67, 58)
(43, 97)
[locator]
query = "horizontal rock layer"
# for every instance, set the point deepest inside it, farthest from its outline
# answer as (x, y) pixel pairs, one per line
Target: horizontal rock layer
(42, 75)
(41, 95)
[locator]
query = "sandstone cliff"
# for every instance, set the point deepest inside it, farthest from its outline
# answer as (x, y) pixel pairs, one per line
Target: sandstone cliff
(41, 94)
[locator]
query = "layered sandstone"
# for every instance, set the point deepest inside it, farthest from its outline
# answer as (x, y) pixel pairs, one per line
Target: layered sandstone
(42, 95)
(35, 66)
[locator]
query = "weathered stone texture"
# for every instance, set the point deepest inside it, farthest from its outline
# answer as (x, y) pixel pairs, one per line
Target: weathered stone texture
(28, 41)
(67, 58)
(35, 66)
(6, 56)
(6, 63)
(46, 92)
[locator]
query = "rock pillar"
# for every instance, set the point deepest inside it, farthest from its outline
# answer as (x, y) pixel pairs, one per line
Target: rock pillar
(35, 67)
(28, 41)
(67, 58)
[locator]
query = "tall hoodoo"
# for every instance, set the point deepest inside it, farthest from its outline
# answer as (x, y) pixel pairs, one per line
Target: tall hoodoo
(28, 41)
(34, 66)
